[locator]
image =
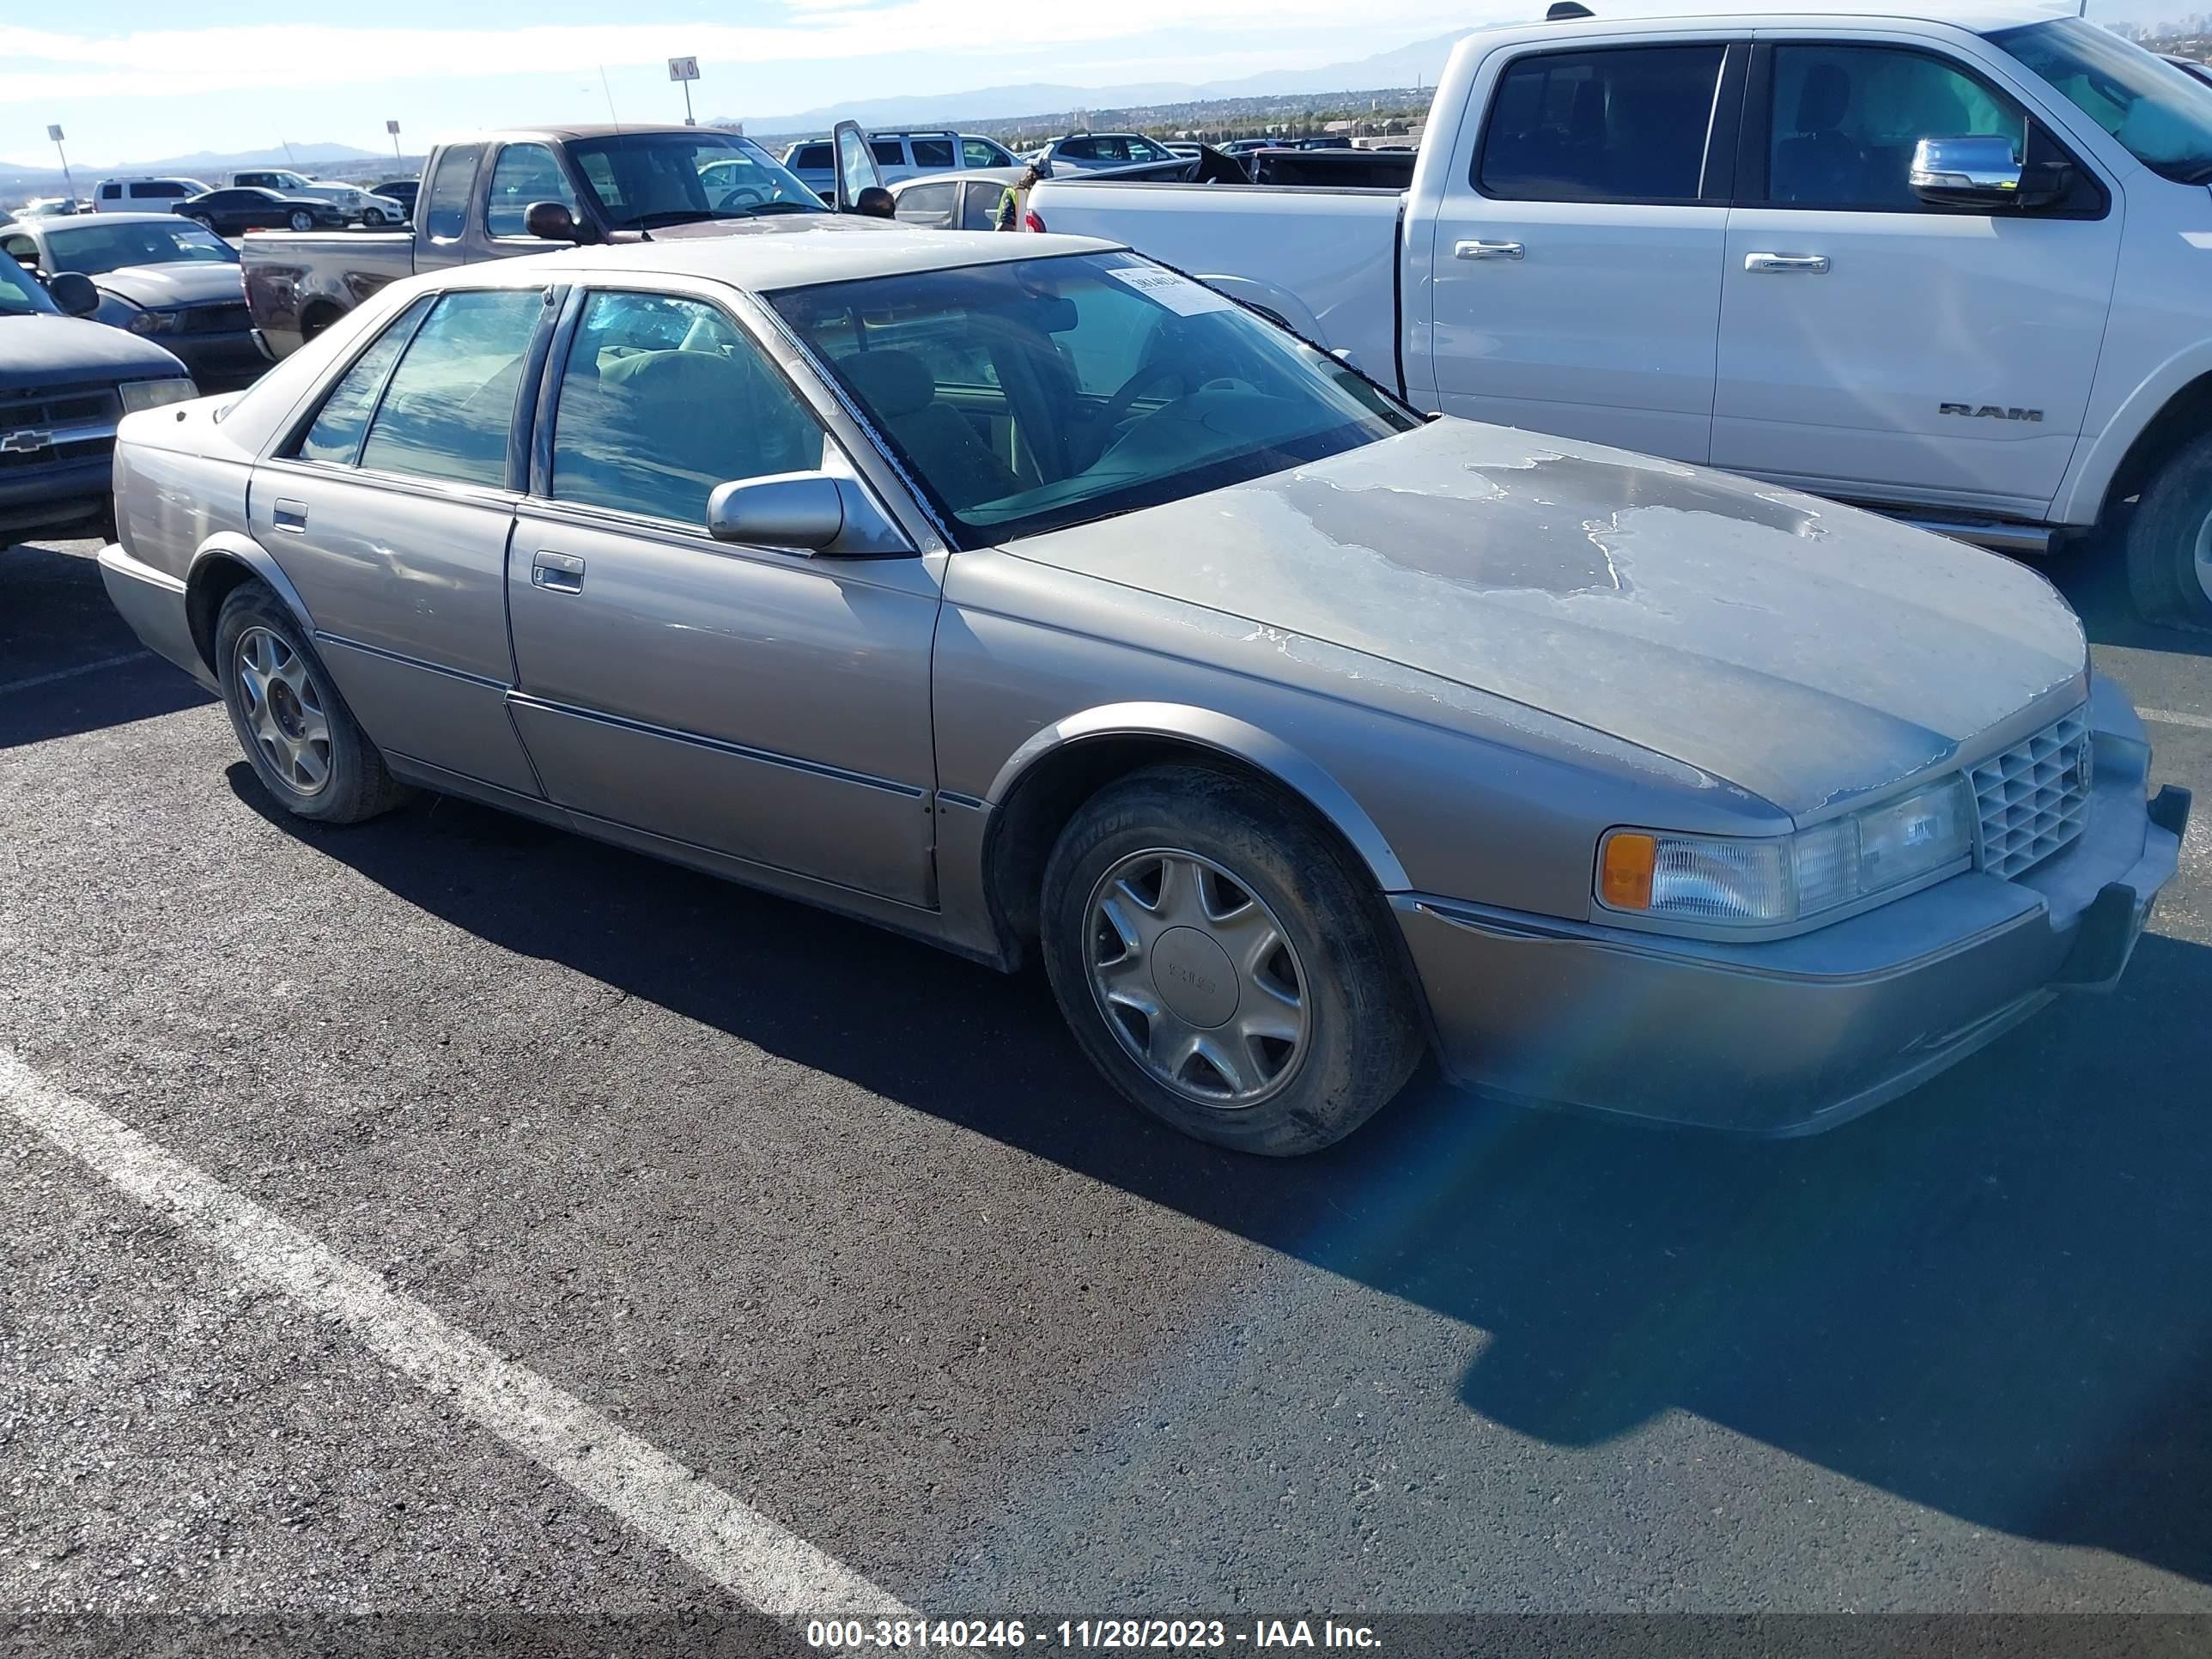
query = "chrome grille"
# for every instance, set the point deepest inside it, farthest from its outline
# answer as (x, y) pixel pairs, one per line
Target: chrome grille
(2031, 797)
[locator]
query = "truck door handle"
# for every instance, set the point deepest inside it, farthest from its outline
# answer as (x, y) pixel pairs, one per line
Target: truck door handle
(561, 572)
(1488, 251)
(1811, 265)
(290, 515)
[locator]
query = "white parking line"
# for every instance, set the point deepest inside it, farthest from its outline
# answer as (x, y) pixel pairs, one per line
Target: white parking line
(757, 1560)
(2168, 717)
(71, 673)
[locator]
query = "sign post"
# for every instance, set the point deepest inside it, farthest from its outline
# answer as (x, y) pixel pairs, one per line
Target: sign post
(392, 127)
(55, 133)
(685, 70)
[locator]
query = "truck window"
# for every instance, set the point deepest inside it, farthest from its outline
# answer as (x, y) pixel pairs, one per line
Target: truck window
(931, 154)
(448, 215)
(653, 430)
(523, 173)
(448, 409)
(1846, 119)
(1618, 125)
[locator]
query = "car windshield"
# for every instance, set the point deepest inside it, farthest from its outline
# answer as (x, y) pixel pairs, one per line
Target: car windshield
(2160, 115)
(1045, 392)
(643, 179)
(19, 293)
(93, 249)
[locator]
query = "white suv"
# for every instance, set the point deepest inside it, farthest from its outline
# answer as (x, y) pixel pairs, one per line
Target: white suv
(901, 154)
(142, 195)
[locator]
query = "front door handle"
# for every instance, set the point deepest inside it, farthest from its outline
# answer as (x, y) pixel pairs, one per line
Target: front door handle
(561, 572)
(1810, 264)
(1488, 251)
(290, 515)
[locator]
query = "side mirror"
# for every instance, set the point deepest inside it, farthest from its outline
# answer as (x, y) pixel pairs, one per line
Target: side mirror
(550, 221)
(1977, 171)
(74, 293)
(876, 202)
(810, 511)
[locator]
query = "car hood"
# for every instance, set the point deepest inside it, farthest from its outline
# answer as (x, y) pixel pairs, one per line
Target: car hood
(1806, 651)
(46, 350)
(180, 282)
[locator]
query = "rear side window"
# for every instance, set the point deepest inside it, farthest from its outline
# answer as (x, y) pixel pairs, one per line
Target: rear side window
(981, 212)
(163, 192)
(1080, 149)
(931, 153)
(1847, 119)
(812, 156)
(928, 204)
(451, 402)
(663, 398)
(523, 173)
(449, 212)
(335, 433)
(887, 152)
(111, 192)
(1623, 125)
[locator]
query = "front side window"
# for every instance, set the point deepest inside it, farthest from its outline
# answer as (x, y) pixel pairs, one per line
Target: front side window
(449, 212)
(926, 204)
(1623, 125)
(1042, 393)
(1847, 119)
(931, 153)
(982, 153)
(20, 292)
(334, 435)
(2161, 116)
(1080, 149)
(450, 405)
(661, 399)
(523, 173)
(94, 247)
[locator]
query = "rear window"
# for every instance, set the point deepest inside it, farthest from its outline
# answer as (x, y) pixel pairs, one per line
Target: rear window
(1621, 125)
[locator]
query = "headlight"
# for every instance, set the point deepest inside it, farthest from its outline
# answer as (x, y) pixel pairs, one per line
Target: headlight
(151, 322)
(1735, 881)
(152, 394)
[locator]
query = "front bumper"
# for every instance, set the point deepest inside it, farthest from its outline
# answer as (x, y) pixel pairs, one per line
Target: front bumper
(1794, 1036)
(55, 497)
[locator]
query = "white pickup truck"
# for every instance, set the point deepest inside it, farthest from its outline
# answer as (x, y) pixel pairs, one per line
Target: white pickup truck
(1722, 239)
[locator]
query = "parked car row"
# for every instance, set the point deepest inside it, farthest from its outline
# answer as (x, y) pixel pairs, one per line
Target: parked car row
(900, 154)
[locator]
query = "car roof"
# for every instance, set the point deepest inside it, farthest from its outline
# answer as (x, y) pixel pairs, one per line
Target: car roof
(586, 130)
(772, 254)
(1978, 16)
(92, 219)
(968, 175)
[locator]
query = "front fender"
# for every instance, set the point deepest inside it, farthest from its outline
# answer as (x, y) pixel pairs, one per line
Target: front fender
(208, 580)
(1226, 734)
(2098, 460)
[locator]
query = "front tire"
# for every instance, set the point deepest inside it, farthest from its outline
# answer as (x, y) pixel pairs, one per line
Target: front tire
(302, 219)
(373, 217)
(299, 734)
(2169, 540)
(1219, 959)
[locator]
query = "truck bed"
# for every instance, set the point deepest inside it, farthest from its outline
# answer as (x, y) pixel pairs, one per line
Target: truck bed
(298, 281)
(1330, 254)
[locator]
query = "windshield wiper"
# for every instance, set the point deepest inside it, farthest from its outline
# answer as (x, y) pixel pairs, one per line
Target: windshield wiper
(673, 217)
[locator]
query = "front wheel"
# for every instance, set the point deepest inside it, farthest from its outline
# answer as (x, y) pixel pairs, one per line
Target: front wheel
(302, 219)
(373, 217)
(1221, 962)
(2169, 540)
(290, 720)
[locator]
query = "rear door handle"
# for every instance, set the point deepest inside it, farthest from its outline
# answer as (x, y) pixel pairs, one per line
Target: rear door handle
(561, 573)
(290, 515)
(1810, 264)
(1488, 251)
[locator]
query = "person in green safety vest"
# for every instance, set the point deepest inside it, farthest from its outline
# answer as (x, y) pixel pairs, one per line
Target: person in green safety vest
(1014, 206)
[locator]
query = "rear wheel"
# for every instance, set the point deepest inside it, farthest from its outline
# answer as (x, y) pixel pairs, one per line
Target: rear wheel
(295, 729)
(202, 221)
(1221, 963)
(302, 219)
(2169, 540)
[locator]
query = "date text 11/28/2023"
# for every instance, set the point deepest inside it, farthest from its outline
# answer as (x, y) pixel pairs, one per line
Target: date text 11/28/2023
(1149, 1635)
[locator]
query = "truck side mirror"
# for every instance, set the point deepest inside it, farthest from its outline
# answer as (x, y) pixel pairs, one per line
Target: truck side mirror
(550, 222)
(1979, 170)
(73, 292)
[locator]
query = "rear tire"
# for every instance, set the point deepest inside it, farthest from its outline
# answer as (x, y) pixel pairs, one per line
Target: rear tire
(1224, 964)
(202, 221)
(2169, 540)
(296, 730)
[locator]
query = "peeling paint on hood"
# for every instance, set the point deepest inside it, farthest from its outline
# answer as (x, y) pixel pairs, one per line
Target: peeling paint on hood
(1806, 651)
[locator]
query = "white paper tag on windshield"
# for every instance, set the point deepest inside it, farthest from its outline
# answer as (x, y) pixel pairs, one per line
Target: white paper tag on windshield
(1177, 293)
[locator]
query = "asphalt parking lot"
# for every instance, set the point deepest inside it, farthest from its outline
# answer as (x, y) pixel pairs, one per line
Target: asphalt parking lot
(844, 1229)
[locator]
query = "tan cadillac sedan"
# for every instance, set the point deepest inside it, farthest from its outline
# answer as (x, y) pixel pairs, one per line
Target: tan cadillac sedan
(1019, 594)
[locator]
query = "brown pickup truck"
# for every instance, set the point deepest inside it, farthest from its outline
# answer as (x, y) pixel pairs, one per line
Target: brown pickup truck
(609, 184)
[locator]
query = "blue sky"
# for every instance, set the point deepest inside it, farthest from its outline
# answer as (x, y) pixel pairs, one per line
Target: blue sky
(141, 79)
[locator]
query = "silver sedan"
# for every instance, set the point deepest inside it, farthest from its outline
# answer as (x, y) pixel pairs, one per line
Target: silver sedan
(1019, 594)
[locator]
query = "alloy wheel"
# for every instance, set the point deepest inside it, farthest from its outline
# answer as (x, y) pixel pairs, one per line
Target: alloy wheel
(1197, 978)
(2203, 564)
(283, 711)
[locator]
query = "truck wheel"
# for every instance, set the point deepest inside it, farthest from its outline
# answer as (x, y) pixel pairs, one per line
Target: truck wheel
(302, 219)
(1219, 960)
(289, 719)
(2169, 540)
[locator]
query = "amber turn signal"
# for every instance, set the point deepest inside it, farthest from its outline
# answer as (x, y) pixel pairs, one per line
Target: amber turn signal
(1625, 870)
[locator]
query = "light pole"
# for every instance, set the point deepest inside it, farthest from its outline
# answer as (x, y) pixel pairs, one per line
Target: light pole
(55, 133)
(392, 127)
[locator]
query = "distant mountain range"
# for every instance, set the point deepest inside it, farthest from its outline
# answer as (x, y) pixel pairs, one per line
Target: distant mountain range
(1418, 64)
(18, 184)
